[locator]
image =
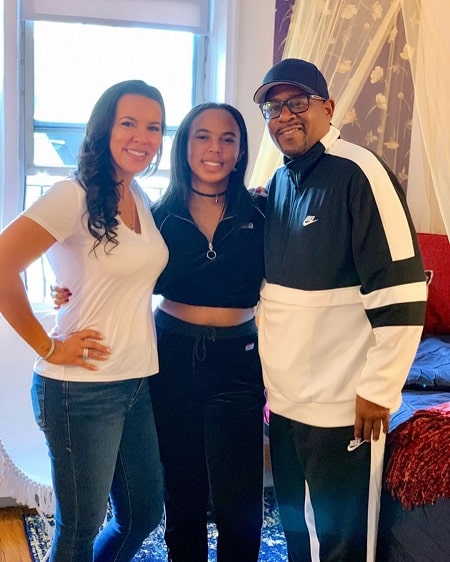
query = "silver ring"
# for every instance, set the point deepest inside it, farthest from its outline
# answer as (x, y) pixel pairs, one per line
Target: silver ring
(85, 353)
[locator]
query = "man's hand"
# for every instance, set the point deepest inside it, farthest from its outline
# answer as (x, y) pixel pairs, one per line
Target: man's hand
(260, 190)
(369, 417)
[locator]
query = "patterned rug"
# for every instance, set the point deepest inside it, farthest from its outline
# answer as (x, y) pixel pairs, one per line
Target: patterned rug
(273, 545)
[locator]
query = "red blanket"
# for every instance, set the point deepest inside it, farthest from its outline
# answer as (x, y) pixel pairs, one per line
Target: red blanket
(418, 469)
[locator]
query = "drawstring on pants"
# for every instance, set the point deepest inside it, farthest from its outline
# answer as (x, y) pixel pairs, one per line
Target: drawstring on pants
(202, 334)
(199, 349)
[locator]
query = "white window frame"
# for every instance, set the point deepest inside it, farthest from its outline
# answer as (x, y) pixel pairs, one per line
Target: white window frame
(217, 75)
(29, 125)
(192, 15)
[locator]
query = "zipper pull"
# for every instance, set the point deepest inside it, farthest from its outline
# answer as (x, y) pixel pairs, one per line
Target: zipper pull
(211, 253)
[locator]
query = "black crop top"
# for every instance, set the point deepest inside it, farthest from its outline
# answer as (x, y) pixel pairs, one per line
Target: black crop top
(231, 279)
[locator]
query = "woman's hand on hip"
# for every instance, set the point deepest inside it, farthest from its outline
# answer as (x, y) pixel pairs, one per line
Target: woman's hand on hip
(79, 348)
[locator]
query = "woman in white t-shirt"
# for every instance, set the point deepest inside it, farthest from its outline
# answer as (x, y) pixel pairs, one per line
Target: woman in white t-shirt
(90, 393)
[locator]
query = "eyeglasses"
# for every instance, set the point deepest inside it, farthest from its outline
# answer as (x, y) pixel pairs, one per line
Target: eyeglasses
(296, 104)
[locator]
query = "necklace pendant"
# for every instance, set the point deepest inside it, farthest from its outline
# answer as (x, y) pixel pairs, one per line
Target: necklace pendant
(210, 195)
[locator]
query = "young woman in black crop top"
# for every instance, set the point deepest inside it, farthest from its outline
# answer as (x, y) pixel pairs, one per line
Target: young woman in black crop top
(209, 396)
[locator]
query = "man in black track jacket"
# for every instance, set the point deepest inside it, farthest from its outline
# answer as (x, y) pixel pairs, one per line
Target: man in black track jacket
(341, 315)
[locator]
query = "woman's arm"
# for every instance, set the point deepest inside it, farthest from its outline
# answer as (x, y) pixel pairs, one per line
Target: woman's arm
(21, 243)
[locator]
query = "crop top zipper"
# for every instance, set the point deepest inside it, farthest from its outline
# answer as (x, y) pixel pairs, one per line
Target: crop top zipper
(211, 253)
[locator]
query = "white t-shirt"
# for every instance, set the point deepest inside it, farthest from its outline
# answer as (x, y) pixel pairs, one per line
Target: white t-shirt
(111, 292)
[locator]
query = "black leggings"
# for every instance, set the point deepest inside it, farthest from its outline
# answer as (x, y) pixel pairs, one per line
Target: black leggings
(208, 401)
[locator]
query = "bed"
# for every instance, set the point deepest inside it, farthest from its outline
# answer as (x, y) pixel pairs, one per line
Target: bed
(414, 521)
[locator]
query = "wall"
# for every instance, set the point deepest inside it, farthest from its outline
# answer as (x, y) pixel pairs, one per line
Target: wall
(19, 433)
(254, 56)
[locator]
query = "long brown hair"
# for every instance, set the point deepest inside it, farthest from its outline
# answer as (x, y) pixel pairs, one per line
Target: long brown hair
(176, 196)
(95, 170)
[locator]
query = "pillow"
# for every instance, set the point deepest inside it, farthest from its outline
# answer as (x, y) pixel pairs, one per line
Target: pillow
(431, 366)
(435, 250)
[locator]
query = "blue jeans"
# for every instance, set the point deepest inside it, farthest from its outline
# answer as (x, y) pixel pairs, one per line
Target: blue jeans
(208, 400)
(102, 443)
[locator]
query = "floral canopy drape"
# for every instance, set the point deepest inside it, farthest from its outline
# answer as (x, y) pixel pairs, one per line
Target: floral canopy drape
(387, 66)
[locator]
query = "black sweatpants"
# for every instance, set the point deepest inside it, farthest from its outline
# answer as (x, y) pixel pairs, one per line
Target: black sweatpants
(344, 498)
(208, 402)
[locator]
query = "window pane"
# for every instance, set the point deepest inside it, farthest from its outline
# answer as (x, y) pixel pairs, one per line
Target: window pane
(74, 63)
(88, 59)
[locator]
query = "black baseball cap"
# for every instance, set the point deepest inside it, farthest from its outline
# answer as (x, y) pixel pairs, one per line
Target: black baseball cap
(297, 72)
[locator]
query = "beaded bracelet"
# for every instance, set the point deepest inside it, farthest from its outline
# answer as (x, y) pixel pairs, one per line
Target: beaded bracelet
(51, 350)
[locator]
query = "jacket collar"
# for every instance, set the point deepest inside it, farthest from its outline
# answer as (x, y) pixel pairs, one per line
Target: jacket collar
(299, 168)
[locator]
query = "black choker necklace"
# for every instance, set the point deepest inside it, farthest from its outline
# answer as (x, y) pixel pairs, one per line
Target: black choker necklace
(215, 195)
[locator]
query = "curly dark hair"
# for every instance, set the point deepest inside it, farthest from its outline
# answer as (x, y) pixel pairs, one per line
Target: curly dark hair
(95, 170)
(176, 196)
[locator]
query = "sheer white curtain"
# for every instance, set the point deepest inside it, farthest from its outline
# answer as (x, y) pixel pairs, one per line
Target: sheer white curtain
(344, 40)
(427, 27)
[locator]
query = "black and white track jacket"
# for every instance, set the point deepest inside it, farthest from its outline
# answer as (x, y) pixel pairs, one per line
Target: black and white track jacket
(343, 304)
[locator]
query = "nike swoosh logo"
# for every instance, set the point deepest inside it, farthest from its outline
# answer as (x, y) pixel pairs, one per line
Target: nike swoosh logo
(309, 220)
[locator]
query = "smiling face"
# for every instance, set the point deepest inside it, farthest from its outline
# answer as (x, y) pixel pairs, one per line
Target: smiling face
(213, 149)
(136, 135)
(295, 134)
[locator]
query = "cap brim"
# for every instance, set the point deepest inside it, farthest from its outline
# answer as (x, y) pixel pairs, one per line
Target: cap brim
(260, 94)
